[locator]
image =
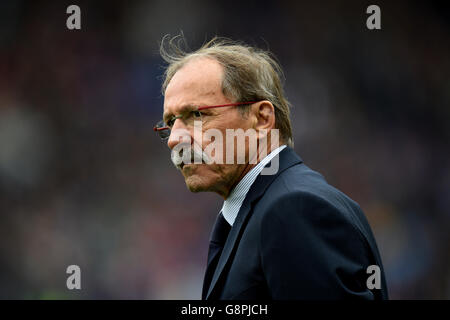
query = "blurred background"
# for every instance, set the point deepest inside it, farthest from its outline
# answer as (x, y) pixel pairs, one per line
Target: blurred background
(84, 180)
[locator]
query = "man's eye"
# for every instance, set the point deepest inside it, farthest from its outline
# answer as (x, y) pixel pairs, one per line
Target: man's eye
(197, 114)
(170, 122)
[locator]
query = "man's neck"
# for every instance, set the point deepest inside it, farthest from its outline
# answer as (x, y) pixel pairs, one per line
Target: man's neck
(248, 167)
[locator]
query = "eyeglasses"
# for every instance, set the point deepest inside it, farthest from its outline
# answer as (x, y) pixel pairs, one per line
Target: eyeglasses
(163, 129)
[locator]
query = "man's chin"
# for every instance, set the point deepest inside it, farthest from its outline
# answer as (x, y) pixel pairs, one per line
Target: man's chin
(194, 179)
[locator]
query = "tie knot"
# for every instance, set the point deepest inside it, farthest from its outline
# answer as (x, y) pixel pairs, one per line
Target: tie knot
(221, 230)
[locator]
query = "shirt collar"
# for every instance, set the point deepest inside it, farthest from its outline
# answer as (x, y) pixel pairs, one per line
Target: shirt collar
(231, 206)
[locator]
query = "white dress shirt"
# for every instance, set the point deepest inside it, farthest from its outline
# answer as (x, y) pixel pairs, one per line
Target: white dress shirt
(233, 203)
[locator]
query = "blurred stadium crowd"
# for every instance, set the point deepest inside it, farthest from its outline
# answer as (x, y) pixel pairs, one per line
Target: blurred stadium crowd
(84, 180)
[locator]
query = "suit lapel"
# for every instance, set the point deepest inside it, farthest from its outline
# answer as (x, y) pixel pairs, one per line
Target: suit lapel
(287, 158)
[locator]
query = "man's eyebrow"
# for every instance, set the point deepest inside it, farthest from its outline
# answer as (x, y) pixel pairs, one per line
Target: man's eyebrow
(183, 109)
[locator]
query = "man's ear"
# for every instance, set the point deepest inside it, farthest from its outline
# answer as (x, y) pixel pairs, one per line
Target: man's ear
(264, 113)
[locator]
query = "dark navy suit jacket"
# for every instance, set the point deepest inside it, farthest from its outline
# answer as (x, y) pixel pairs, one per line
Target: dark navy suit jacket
(297, 237)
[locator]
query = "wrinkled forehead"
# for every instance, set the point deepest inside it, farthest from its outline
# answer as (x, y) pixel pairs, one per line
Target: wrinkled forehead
(199, 81)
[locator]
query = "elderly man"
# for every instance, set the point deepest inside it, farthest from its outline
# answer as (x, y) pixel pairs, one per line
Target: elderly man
(286, 234)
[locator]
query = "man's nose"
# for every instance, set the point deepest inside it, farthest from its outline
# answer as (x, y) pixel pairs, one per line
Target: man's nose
(179, 134)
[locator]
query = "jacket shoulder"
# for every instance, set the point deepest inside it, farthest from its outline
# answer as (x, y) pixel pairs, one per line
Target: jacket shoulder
(300, 214)
(301, 191)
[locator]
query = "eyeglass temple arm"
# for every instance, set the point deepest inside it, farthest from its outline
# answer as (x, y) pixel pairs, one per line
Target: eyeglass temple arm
(227, 105)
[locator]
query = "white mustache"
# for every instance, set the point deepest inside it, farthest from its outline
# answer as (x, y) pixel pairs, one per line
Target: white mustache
(186, 154)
